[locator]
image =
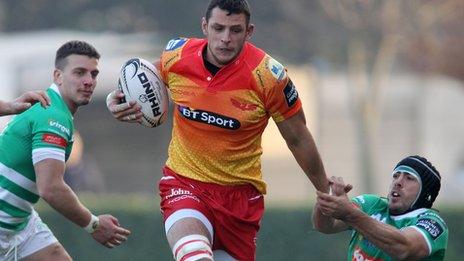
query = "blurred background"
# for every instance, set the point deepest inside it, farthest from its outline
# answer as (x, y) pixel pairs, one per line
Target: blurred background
(379, 80)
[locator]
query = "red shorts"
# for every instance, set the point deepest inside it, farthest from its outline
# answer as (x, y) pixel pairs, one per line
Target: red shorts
(234, 212)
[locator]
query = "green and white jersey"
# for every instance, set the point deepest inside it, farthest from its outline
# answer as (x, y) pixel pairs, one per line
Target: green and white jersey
(34, 135)
(424, 220)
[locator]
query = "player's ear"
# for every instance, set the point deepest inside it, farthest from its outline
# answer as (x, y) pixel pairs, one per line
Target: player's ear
(250, 30)
(58, 76)
(204, 26)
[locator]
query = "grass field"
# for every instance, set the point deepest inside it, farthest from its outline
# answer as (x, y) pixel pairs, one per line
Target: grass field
(286, 232)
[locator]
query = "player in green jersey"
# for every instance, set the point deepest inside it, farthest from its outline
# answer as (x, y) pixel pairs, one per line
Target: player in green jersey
(401, 227)
(33, 149)
(24, 102)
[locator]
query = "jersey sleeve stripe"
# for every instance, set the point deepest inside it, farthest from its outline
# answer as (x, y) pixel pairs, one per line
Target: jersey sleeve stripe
(18, 190)
(425, 237)
(47, 153)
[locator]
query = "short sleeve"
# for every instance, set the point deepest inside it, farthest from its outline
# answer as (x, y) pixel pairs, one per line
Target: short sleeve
(281, 96)
(171, 54)
(434, 230)
(50, 129)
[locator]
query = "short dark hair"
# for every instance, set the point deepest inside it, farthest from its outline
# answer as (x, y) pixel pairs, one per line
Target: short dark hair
(232, 6)
(74, 47)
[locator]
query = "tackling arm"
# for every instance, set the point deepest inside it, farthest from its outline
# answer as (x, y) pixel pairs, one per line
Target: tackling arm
(401, 244)
(301, 143)
(405, 244)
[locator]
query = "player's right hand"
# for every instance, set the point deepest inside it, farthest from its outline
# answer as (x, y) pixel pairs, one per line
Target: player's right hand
(123, 111)
(109, 232)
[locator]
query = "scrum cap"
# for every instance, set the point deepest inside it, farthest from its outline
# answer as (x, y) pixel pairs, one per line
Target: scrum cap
(428, 176)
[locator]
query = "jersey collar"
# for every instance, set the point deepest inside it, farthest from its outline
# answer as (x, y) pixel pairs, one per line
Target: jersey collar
(413, 213)
(55, 88)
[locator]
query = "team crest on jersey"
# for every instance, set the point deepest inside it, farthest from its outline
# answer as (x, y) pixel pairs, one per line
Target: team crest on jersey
(361, 199)
(277, 69)
(243, 106)
(175, 43)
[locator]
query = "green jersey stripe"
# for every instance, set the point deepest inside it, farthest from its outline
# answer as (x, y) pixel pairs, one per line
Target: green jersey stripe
(15, 227)
(18, 178)
(12, 210)
(18, 191)
(6, 218)
(16, 201)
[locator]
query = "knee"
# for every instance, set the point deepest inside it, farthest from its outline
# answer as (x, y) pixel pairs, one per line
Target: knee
(58, 253)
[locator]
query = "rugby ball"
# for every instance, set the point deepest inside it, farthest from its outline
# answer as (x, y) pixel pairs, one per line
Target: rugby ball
(140, 81)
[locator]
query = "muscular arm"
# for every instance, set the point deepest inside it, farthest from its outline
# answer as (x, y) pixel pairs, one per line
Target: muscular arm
(401, 244)
(301, 143)
(53, 189)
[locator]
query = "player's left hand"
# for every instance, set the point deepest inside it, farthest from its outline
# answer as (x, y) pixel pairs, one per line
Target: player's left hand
(109, 232)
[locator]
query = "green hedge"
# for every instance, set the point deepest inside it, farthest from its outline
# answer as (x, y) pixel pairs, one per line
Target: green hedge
(286, 234)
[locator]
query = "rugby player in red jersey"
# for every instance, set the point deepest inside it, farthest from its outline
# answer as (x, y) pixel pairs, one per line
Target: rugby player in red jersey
(224, 90)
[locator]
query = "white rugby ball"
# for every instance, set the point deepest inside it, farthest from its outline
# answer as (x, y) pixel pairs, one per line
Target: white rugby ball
(140, 81)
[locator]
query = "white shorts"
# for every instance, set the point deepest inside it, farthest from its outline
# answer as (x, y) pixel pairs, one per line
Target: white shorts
(34, 237)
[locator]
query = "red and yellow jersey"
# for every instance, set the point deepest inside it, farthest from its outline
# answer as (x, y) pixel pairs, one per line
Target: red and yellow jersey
(219, 119)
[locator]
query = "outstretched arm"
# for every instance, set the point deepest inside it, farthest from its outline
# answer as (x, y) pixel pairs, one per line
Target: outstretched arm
(301, 143)
(401, 244)
(24, 102)
(53, 189)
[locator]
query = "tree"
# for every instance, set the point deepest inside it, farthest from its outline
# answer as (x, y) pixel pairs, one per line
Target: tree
(437, 37)
(428, 33)
(374, 33)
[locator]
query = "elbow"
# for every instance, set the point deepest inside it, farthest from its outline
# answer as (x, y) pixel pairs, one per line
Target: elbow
(49, 192)
(402, 253)
(46, 193)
